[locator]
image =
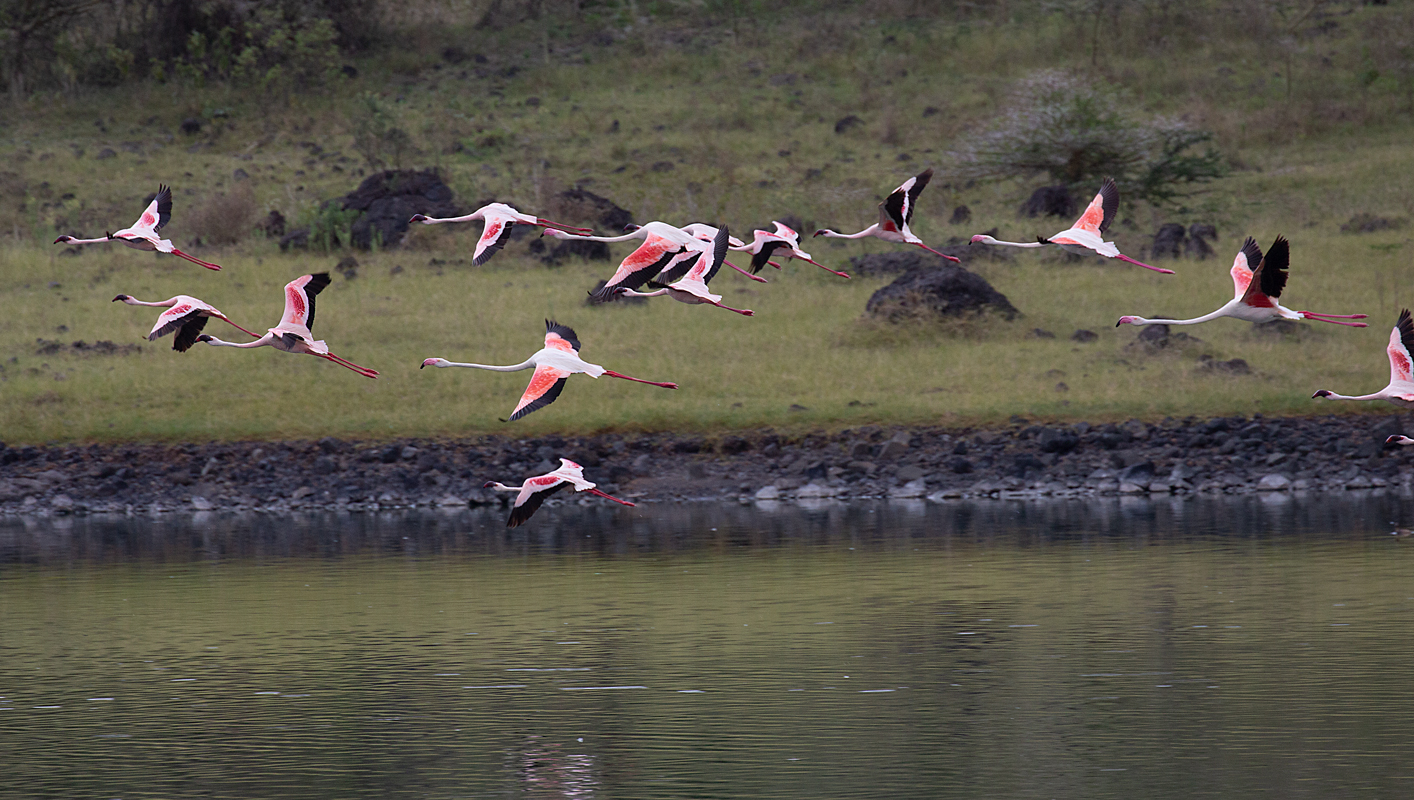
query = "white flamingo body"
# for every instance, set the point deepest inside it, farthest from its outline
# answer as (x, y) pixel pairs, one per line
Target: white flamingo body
(664, 246)
(553, 364)
(782, 242)
(1258, 280)
(1400, 390)
(707, 233)
(499, 219)
(895, 213)
(1087, 234)
(142, 235)
(293, 334)
(534, 491)
(185, 314)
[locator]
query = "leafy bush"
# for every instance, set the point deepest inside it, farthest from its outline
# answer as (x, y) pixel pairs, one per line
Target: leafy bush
(1077, 133)
(377, 136)
(267, 48)
(225, 218)
(329, 225)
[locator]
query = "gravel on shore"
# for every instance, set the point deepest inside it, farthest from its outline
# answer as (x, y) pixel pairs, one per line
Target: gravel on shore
(1021, 460)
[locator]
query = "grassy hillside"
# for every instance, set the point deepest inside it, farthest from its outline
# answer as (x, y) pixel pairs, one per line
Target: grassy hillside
(725, 119)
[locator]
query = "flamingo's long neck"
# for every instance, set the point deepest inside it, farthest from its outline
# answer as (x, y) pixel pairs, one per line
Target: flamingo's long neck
(990, 240)
(86, 241)
(501, 487)
(261, 342)
(527, 364)
(472, 217)
(1382, 394)
(632, 293)
(1222, 312)
(133, 301)
(869, 231)
(638, 234)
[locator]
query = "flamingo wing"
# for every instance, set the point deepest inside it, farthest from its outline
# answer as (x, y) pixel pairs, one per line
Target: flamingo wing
(545, 385)
(157, 213)
(299, 299)
(532, 495)
(1401, 341)
(188, 331)
(786, 232)
(762, 257)
(719, 255)
(680, 265)
(643, 263)
(1242, 266)
(1101, 211)
(560, 337)
(493, 237)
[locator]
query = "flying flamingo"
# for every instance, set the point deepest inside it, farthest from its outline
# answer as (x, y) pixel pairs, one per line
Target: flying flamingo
(1397, 439)
(894, 215)
(1256, 291)
(1087, 234)
(293, 334)
(553, 365)
(186, 315)
(692, 288)
(1400, 390)
(535, 491)
(143, 233)
(499, 219)
(707, 233)
(663, 244)
(782, 240)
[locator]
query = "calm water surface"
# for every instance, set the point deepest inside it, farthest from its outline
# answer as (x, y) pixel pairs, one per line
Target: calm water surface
(1248, 648)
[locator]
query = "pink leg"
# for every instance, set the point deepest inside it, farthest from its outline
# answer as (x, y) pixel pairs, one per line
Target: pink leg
(953, 259)
(608, 497)
(821, 266)
(364, 371)
(552, 224)
(1336, 321)
(613, 374)
(1311, 314)
(1123, 257)
(744, 272)
(745, 312)
(194, 259)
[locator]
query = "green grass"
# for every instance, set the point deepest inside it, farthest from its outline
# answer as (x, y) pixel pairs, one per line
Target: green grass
(743, 141)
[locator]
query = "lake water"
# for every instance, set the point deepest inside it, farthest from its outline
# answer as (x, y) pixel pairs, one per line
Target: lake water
(1249, 647)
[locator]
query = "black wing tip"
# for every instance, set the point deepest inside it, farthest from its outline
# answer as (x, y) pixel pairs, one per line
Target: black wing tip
(1253, 251)
(1406, 330)
(317, 283)
(566, 332)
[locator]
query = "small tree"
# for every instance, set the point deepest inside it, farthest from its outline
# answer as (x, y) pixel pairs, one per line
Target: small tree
(1076, 132)
(28, 26)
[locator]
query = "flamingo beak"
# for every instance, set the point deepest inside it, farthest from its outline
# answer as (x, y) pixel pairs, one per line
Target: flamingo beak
(119, 297)
(488, 484)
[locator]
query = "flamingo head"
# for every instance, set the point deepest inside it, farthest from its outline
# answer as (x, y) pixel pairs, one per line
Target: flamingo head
(1397, 439)
(1321, 393)
(553, 233)
(982, 238)
(822, 230)
(1128, 321)
(435, 362)
(488, 484)
(206, 337)
(630, 228)
(64, 239)
(417, 218)
(125, 298)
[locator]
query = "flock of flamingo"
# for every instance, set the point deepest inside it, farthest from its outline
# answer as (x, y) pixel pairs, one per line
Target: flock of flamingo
(680, 262)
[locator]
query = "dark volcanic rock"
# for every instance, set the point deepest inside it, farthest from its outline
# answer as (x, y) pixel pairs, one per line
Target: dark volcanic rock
(1369, 223)
(1199, 237)
(1050, 201)
(1168, 241)
(939, 291)
(846, 123)
(576, 206)
(388, 199)
(961, 216)
(1052, 440)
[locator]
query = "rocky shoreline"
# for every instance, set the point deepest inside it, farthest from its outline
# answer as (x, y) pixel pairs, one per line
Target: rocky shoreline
(1021, 460)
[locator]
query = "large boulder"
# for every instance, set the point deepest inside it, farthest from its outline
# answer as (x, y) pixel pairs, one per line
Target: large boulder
(576, 206)
(1050, 201)
(944, 291)
(894, 262)
(1168, 241)
(388, 199)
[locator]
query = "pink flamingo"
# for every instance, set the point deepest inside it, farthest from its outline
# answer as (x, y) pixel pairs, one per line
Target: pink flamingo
(691, 287)
(783, 241)
(499, 219)
(1400, 390)
(1087, 234)
(143, 233)
(1256, 291)
(535, 491)
(894, 215)
(293, 334)
(553, 364)
(663, 246)
(707, 233)
(186, 315)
